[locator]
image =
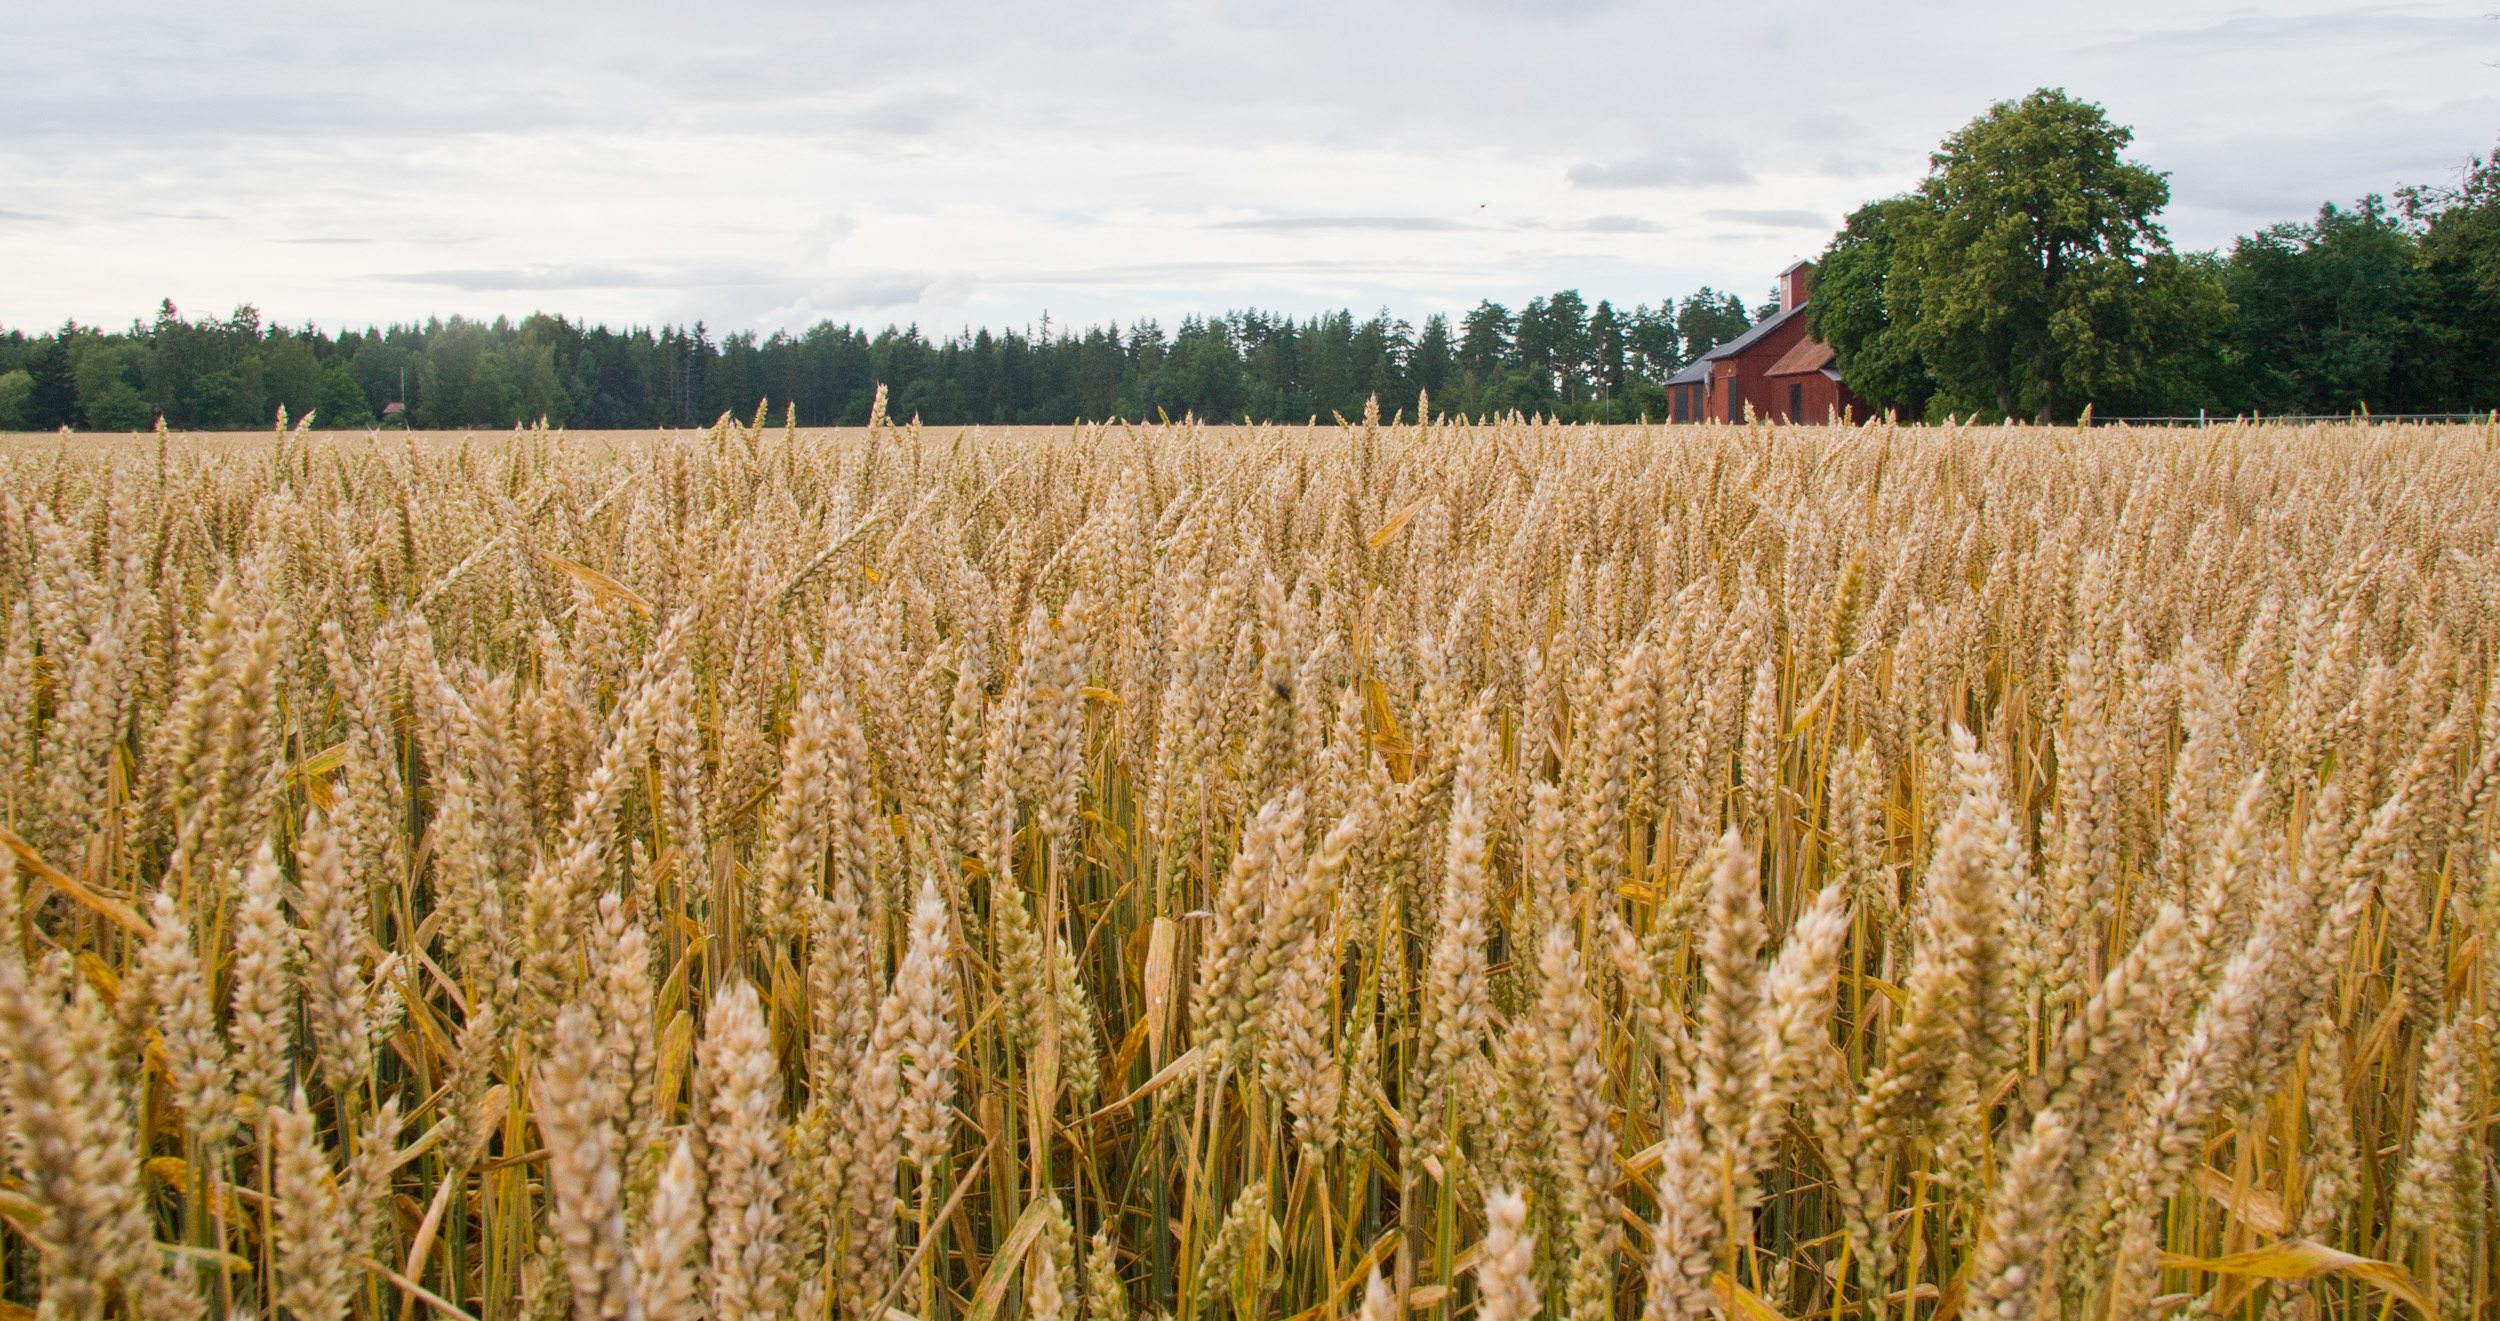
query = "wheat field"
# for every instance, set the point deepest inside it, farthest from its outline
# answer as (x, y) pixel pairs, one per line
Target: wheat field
(1494, 870)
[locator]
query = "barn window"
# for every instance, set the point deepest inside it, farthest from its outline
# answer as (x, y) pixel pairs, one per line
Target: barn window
(1796, 400)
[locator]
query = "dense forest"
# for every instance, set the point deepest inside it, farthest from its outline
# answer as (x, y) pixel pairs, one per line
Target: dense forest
(1963, 297)
(1555, 355)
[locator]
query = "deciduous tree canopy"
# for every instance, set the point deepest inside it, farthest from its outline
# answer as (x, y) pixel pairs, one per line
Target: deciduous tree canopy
(2029, 276)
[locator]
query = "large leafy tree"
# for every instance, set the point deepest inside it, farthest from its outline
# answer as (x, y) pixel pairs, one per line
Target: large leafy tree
(2032, 275)
(2460, 288)
(1852, 309)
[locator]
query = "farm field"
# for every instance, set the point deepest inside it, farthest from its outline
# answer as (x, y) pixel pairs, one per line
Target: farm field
(592, 442)
(1488, 871)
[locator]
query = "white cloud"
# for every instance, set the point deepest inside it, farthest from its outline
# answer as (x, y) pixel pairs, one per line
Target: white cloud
(767, 164)
(512, 279)
(1664, 169)
(1391, 224)
(1772, 219)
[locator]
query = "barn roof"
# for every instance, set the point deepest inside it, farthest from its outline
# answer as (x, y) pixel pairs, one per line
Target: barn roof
(1809, 355)
(1699, 368)
(1760, 329)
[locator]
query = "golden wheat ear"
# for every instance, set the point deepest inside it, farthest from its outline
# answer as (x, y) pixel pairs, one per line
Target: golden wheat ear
(1272, 872)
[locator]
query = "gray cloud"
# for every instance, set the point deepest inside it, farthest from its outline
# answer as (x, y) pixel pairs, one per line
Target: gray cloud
(1210, 271)
(2242, 36)
(816, 242)
(1569, 11)
(783, 303)
(787, 159)
(866, 288)
(874, 291)
(518, 280)
(907, 115)
(2237, 177)
(1840, 165)
(1392, 224)
(1663, 169)
(1772, 219)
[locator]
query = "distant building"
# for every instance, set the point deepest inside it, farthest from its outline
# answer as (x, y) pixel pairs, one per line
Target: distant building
(1786, 374)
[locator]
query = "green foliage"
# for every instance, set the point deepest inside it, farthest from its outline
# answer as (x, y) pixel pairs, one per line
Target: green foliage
(1432, 362)
(1486, 344)
(1512, 390)
(223, 399)
(464, 381)
(107, 401)
(2034, 273)
(1606, 361)
(1203, 370)
(342, 404)
(1553, 338)
(290, 374)
(2459, 288)
(1851, 310)
(53, 402)
(2325, 314)
(542, 393)
(16, 389)
(1653, 347)
(1709, 319)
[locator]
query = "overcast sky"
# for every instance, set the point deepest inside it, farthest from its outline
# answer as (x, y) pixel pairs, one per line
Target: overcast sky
(765, 165)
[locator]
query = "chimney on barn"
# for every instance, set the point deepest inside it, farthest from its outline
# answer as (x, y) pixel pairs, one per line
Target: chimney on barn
(1793, 285)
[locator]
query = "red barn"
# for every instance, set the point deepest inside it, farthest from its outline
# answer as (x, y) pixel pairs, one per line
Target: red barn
(1787, 375)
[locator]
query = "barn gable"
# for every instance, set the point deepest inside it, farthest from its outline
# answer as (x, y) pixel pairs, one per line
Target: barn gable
(1776, 366)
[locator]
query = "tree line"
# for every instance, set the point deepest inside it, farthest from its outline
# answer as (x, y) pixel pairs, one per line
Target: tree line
(1556, 355)
(2027, 276)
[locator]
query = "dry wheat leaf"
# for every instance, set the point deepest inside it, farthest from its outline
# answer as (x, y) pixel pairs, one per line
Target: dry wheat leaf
(2303, 1259)
(599, 584)
(1739, 1303)
(1009, 1259)
(1398, 521)
(112, 909)
(2254, 1207)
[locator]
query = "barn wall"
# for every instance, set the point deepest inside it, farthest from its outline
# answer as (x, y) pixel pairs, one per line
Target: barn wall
(1743, 379)
(1820, 398)
(1769, 400)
